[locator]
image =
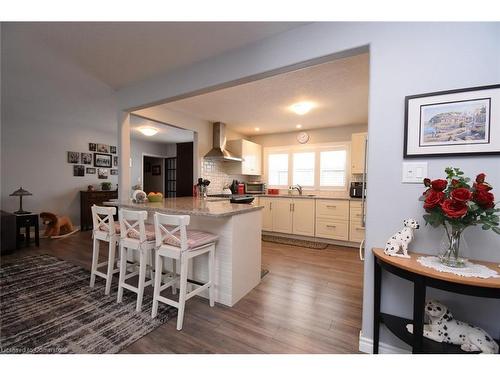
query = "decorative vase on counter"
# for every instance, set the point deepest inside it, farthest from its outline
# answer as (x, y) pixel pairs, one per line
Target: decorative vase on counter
(452, 246)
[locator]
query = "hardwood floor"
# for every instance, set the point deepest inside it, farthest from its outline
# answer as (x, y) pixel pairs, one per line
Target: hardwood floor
(309, 302)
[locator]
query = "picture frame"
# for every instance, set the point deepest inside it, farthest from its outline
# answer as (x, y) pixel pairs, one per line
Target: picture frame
(156, 170)
(86, 158)
(73, 157)
(93, 147)
(102, 160)
(112, 149)
(78, 170)
(115, 161)
(461, 122)
(114, 172)
(102, 173)
(90, 170)
(102, 148)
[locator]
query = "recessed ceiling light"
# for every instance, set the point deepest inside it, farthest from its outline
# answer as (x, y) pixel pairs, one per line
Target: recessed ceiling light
(298, 126)
(301, 108)
(148, 131)
(257, 129)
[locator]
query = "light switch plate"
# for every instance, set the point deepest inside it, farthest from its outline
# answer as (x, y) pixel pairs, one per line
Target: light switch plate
(414, 173)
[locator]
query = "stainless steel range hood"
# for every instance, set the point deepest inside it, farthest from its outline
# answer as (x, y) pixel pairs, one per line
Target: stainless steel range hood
(219, 152)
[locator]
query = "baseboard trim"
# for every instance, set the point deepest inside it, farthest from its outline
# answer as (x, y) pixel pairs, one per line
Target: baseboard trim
(366, 346)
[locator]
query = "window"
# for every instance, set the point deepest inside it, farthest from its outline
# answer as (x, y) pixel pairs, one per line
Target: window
(303, 169)
(332, 168)
(278, 169)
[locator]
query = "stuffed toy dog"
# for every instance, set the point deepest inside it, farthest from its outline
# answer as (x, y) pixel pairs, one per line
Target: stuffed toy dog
(400, 240)
(56, 226)
(444, 328)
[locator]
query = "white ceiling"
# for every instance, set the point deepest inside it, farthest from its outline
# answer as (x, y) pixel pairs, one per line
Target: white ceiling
(122, 53)
(166, 133)
(339, 88)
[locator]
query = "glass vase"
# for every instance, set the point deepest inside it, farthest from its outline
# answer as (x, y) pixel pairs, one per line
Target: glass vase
(452, 246)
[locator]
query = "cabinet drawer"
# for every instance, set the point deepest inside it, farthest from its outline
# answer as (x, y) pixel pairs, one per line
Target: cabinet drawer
(355, 204)
(356, 232)
(356, 215)
(336, 230)
(332, 209)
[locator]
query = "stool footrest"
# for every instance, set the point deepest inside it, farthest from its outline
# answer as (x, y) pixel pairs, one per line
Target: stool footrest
(168, 301)
(198, 290)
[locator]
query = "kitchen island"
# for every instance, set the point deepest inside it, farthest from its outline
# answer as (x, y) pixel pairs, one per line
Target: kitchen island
(238, 250)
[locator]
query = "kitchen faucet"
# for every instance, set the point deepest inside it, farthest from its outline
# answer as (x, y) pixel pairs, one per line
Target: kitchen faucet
(298, 187)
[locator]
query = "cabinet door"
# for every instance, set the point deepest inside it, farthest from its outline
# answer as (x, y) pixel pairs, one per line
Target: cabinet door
(252, 158)
(358, 152)
(267, 213)
(303, 217)
(282, 215)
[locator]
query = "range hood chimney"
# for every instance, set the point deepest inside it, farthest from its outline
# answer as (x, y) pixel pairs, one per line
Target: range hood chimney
(219, 152)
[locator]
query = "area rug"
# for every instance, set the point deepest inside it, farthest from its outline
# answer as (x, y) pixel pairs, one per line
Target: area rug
(295, 242)
(47, 306)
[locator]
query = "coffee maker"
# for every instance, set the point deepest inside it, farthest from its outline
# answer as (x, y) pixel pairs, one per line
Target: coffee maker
(356, 190)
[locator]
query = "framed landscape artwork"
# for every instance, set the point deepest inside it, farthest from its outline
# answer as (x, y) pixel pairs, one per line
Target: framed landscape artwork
(453, 123)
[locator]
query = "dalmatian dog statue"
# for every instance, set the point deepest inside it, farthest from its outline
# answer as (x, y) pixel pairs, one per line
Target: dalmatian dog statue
(400, 240)
(444, 328)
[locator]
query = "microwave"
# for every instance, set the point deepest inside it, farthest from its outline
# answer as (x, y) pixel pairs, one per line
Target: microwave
(255, 188)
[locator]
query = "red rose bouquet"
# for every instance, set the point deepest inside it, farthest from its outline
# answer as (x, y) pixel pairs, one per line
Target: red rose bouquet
(456, 204)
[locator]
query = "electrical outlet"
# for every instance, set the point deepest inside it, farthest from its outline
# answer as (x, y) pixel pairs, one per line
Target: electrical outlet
(414, 173)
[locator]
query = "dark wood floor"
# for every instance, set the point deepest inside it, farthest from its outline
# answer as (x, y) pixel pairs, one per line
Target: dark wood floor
(310, 302)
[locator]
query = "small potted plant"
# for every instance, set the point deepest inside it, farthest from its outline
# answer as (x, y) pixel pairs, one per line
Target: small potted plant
(105, 185)
(456, 204)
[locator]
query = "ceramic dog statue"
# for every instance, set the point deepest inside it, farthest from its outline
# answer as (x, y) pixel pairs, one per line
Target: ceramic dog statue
(400, 240)
(444, 328)
(56, 225)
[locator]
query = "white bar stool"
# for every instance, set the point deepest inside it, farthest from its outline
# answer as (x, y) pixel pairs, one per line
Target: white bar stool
(186, 245)
(135, 235)
(105, 229)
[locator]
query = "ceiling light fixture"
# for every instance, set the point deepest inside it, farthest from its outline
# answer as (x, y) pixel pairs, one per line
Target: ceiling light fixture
(298, 126)
(302, 108)
(257, 129)
(148, 131)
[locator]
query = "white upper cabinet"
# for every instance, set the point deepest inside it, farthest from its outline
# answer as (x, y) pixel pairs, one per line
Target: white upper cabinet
(358, 152)
(251, 154)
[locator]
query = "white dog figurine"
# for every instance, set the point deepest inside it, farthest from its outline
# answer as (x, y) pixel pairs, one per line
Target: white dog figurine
(401, 239)
(444, 328)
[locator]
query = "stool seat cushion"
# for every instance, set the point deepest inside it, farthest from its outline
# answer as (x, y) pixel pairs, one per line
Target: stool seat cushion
(195, 238)
(104, 228)
(150, 233)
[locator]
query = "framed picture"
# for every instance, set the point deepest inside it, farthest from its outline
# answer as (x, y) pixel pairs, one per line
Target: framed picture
(115, 161)
(73, 157)
(156, 170)
(102, 173)
(453, 123)
(90, 170)
(112, 149)
(78, 170)
(114, 172)
(86, 158)
(93, 147)
(102, 160)
(102, 148)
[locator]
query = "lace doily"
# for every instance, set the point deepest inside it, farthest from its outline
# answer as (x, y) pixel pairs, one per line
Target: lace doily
(470, 269)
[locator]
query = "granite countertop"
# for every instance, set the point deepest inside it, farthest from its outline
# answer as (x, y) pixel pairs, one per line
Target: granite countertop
(210, 207)
(306, 196)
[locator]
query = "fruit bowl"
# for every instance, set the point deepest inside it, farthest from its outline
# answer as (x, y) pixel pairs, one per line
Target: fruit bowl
(155, 197)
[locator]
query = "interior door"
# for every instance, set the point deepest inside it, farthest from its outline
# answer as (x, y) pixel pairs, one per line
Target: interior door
(184, 170)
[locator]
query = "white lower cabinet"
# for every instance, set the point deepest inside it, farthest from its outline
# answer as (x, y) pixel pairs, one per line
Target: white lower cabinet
(287, 215)
(282, 215)
(267, 213)
(303, 217)
(332, 229)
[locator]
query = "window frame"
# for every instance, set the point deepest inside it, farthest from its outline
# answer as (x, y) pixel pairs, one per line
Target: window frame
(317, 149)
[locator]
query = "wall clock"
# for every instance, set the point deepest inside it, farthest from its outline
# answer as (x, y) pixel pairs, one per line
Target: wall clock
(302, 137)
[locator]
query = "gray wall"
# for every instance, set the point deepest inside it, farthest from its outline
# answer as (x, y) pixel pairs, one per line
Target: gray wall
(49, 106)
(405, 59)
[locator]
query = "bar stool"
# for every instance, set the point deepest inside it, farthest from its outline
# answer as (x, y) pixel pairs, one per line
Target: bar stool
(104, 229)
(186, 245)
(135, 235)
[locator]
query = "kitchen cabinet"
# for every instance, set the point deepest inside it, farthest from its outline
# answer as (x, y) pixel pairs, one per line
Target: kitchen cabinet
(287, 215)
(356, 228)
(250, 152)
(332, 219)
(358, 152)
(303, 217)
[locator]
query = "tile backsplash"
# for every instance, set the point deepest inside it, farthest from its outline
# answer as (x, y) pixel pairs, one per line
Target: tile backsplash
(216, 172)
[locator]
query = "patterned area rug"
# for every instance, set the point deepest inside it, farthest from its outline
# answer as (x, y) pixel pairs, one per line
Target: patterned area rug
(47, 306)
(295, 242)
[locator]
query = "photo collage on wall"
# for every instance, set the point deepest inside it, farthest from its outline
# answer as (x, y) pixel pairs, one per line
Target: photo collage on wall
(101, 159)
